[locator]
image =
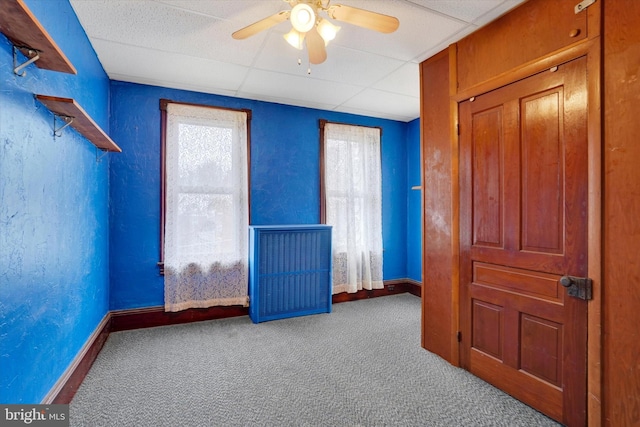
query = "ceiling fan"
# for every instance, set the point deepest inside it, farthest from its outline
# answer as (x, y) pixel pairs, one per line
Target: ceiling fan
(310, 28)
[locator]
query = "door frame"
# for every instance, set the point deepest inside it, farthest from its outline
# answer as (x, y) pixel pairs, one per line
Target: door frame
(591, 48)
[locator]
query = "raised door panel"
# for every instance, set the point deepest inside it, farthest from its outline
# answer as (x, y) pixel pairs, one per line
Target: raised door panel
(542, 172)
(488, 328)
(541, 348)
(487, 170)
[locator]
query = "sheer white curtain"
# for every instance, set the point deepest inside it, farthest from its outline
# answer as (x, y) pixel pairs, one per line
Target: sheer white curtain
(206, 207)
(353, 205)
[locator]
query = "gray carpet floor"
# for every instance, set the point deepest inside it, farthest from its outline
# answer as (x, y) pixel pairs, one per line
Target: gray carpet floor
(361, 365)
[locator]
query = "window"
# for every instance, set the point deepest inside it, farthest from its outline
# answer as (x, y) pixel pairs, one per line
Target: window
(205, 205)
(352, 203)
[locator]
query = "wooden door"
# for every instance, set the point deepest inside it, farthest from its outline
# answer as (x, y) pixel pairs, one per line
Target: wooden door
(523, 217)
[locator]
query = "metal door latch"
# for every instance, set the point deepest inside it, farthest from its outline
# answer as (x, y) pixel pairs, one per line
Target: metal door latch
(579, 287)
(583, 5)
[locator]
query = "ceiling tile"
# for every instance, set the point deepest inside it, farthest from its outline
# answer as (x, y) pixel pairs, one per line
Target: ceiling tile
(500, 10)
(296, 88)
(383, 104)
(242, 11)
(419, 29)
(130, 63)
(465, 10)
(156, 25)
(343, 65)
(404, 81)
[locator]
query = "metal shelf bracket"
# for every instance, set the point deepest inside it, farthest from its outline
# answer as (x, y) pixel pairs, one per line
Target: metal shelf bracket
(33, 55)
(67, 121)
(100, 156)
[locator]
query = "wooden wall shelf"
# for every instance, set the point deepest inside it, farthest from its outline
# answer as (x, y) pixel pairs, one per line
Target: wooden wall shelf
(25, 32)
(69, 108)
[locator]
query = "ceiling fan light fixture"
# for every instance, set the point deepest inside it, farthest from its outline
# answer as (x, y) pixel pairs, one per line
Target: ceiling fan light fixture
(313, 32)
(303, 18)
(295, 38)
(327, 30)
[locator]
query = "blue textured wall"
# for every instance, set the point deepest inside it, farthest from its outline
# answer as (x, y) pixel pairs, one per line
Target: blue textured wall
(54, 274)
(414, 203)
(284, 180)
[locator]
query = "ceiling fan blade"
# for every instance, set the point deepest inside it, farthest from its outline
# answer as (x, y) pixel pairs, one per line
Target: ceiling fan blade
(364, 18)
(315, 46)
(261, 25)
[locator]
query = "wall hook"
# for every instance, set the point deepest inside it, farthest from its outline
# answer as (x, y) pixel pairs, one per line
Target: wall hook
(67, 121)
(33, 54)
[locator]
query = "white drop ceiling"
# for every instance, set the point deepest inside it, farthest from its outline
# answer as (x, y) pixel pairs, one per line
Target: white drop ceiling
(187, 44)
